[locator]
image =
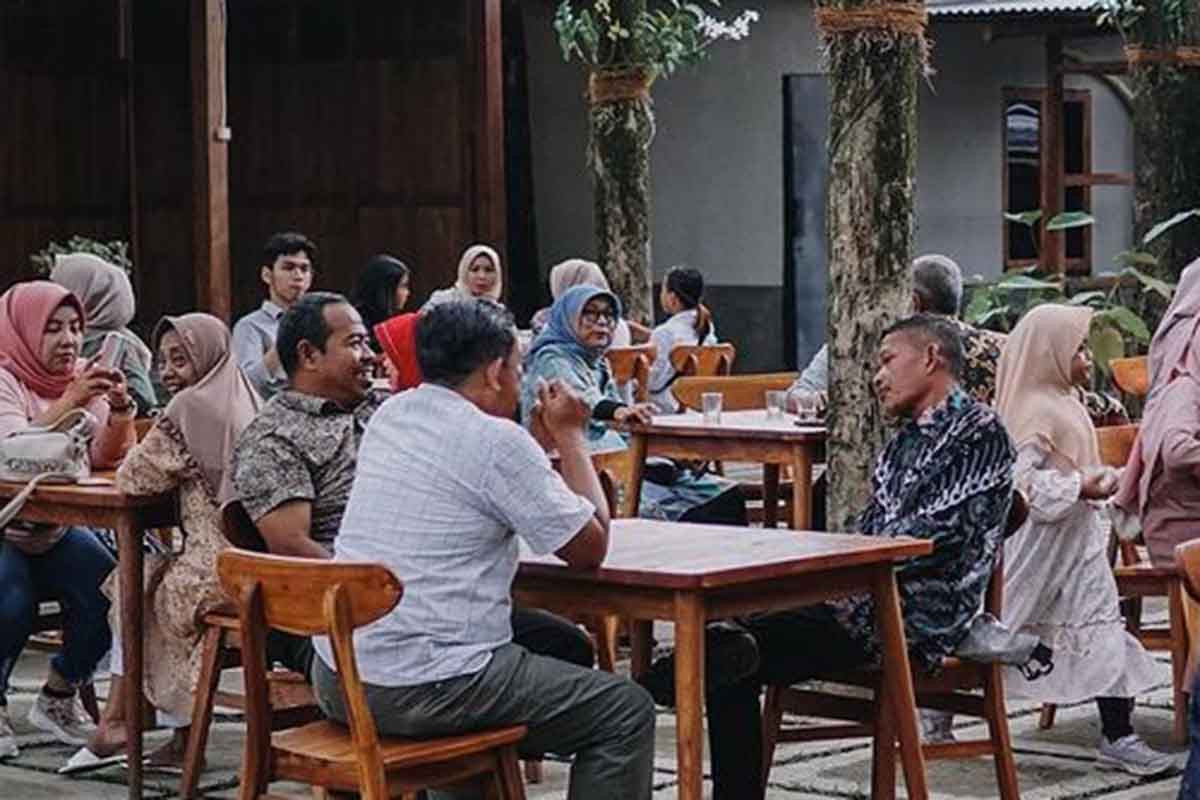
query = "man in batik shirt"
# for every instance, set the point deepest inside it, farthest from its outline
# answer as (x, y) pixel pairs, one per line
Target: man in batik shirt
(945, 476)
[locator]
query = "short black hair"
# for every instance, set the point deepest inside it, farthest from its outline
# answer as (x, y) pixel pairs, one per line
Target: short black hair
(304, 321)
(455, 339)
(285, 244)
(939, 331)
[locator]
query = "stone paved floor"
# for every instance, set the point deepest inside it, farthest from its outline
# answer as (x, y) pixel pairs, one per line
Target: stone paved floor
(1052, 765)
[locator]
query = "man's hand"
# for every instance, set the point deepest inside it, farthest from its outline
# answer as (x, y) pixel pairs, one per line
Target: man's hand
(537, 428)
(563, 413)
(1099, 484)
(271, 360)
(641, 413)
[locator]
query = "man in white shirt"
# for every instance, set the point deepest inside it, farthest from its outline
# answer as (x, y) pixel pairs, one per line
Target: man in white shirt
(287, 270)
(446, 482)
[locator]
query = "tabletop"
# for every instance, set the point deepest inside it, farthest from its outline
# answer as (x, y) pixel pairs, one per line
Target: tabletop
(679, 555)
(735, 424)
(98, 491)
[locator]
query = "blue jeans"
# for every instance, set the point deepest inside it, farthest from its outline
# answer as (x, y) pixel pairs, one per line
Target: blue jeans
(1189, 789)
(71, 573)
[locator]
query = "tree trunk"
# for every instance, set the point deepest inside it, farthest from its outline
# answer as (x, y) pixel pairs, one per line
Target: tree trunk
(869, 227)
(1166, 122)
(621, 127)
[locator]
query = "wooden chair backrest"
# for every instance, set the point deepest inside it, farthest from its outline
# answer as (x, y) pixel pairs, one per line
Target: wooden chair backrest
(308, 597)
(1018, 512)
(1187, 557)
(632, 364)
(1132, 375)
(1116, 443)
(240, 530)
(142, 426)
(741, 392)
(703, 359)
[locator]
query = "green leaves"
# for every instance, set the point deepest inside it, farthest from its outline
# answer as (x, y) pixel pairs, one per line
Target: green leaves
(1106, 343)
(1125, 320)
(1027, 218)
(1166, 225)
(1070, 219)
(1150, 283)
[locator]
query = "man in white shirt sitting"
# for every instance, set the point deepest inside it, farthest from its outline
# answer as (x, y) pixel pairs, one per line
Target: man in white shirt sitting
(445, 484)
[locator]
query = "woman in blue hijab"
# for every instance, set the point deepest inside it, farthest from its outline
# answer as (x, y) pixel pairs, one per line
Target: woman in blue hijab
(571, 349)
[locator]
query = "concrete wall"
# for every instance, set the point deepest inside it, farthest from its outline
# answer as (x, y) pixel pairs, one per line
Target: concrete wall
(718, 191)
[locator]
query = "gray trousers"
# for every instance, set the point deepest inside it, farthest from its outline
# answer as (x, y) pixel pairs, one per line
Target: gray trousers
(605, 721)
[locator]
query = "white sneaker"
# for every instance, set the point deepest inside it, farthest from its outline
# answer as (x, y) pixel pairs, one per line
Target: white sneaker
(936, 727)
(62, 716)
(8, 737)
(1131, 754)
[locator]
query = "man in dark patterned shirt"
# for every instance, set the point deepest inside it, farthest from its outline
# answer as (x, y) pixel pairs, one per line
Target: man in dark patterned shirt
(945, 476)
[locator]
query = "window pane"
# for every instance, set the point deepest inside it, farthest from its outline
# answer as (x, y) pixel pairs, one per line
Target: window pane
(1074, 161)
(1022, 120)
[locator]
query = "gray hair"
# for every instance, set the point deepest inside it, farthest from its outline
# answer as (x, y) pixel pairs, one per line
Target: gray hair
(937, 280)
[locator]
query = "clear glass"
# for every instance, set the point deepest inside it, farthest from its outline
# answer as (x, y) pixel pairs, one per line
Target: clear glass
(807, 406)
(711, 403)
(776, 403)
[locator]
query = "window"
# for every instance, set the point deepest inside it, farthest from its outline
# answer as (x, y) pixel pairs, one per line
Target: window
(1023, 173)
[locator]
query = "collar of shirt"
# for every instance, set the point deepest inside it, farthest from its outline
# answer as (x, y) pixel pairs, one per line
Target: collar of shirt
(936, 417)
(271, 310)
(316, 406)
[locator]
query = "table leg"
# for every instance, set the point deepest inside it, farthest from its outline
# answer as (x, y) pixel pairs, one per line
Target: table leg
(689, 693)
(801, 487)
(129, 562)
(897, 673)
(770, 495)
(641, 633)
(637, 465)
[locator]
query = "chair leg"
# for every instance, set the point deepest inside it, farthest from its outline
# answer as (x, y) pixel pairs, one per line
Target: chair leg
(772, 718)
(533, 771)
(509, 775)
(997, 720)
(883, 749)
(87, 696)
(1046, 720)
(1180, 647)
(202, 711)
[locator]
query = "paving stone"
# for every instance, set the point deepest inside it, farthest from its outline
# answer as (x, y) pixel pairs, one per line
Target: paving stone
(33, 785)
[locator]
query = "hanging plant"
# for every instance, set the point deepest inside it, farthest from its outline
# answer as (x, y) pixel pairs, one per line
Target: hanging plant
(115, 252)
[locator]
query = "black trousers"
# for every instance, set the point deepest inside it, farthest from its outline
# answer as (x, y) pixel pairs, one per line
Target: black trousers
(538, 631)
(792, 646)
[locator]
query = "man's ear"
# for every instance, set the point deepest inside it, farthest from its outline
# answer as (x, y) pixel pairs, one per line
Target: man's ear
(305, 352)
(264, 274)
(933, 358)
(491, 374)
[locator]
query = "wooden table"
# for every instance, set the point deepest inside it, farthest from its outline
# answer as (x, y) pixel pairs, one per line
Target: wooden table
(98, 504)
(690, 574)
(740, 436)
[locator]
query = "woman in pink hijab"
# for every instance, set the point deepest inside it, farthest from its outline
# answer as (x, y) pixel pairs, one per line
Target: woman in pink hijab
(1161, 482)
(42, 377)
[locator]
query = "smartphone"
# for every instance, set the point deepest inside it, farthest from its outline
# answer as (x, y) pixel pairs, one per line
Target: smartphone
(110, 351)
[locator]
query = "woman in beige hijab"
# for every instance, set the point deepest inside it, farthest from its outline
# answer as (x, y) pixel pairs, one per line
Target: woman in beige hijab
(479, 276)
(578, 272)
(187, 451)
(1058, 584)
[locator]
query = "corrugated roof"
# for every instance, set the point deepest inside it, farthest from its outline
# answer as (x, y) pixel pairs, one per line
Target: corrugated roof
(964, 8)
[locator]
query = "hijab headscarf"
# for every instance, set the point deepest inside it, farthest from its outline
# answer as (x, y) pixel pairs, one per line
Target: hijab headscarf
(211, 413)
(562, 328)
(462, 286)
(24, 311)
(575, 272)
(376, 293)
(1172, 356)
(106, 294)
(398, 337)
(1034, 396)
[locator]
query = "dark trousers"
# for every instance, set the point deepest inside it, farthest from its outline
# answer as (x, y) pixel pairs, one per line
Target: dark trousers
(71, 573)
(792, 646)
(1189, 789)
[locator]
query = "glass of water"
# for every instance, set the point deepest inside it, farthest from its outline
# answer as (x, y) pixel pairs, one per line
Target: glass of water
(807, 406)
(776, 403)
(711, 403)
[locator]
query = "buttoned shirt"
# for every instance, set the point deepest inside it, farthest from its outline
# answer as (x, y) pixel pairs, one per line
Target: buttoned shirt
(253, 335)
(945, 477)
(301, 447)
(442, 492)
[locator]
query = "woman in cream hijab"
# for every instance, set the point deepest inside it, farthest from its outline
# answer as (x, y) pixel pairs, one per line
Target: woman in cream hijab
(1058, 584)
(479, 276)
(578, 272)
(108, 301)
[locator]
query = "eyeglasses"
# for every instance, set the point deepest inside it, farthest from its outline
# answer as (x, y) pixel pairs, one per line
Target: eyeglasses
(596, 317)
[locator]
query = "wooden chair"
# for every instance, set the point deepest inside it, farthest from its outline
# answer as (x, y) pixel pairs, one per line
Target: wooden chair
(1131, 375)
(632, 364)
(955, 689)
(1136, 579)
(142, 426)
(310, 597)
(703, 359)
(292, 700)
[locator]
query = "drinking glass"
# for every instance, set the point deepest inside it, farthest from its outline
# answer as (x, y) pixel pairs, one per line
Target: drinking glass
(711, 403)
(807, 404)
(776, 403)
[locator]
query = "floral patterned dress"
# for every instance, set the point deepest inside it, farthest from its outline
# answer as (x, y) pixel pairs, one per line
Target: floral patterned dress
(181, 587)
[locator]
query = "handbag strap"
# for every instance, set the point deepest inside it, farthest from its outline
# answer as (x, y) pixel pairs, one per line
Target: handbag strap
(14, 506)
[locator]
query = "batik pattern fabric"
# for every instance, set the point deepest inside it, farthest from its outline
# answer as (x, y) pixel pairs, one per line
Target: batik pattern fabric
(946, 478)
